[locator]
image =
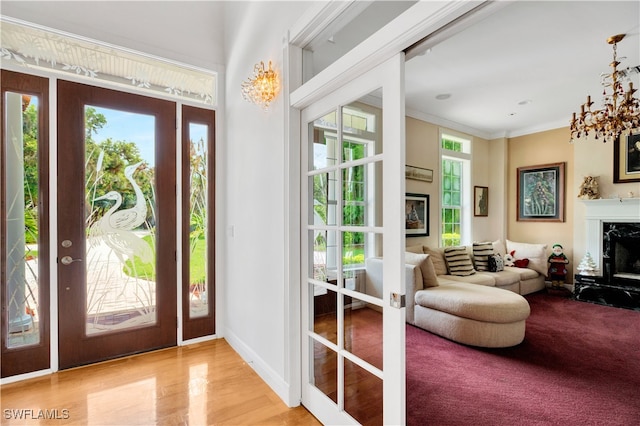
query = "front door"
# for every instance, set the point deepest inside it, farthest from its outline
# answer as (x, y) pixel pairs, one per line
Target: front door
(116, 211)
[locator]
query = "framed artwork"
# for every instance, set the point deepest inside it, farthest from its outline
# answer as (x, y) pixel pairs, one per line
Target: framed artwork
(541, 193)
(626, 158)
(416, 207)
(417, 173)
(480, 201)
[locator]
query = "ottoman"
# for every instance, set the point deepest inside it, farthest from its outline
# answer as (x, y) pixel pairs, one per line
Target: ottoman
(472, 314)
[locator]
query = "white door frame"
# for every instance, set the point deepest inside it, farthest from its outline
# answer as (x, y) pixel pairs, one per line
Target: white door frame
(390, 77)
(410, 27)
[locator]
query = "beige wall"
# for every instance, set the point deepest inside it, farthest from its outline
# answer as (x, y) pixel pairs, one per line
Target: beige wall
(495, 165)
(537, 149)
(481, 175)
(423, 150)
(594, 158)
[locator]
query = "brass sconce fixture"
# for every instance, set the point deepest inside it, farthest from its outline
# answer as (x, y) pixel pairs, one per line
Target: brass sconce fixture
(263, 87)
(620, 112)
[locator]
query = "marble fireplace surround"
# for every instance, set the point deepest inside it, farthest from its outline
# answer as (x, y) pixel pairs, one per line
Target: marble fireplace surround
(623, 210)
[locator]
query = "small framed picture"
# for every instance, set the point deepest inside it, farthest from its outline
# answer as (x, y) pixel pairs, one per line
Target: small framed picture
(480, 201)
(416, 208)
(626, 158)
(418, 173)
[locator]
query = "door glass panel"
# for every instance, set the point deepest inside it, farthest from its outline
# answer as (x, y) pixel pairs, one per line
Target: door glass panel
(324, 365)
(120, 220)
(21, 175)
(324, 248)
(362, 205)
(324, 134)
(198, 243)
(325, 204)
(362, 394)
(325, 315)
(363, 331)
(361, 131)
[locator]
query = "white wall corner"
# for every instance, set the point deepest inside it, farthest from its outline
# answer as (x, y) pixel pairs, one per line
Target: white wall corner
(277, 383)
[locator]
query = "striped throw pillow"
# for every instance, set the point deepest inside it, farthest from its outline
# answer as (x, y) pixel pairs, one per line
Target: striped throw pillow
(458, 261)
(481, 253)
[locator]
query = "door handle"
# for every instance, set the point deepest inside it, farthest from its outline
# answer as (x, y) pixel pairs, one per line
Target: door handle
(68, 260)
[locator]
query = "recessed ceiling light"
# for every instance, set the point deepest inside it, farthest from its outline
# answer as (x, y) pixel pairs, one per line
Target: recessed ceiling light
(443, 96)
(525, 102)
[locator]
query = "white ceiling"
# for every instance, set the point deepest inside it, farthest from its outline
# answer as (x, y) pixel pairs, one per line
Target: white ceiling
(550, 53)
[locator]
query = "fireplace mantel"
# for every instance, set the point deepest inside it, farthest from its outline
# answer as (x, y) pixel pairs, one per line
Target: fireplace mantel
(607, 210)
(627, 209)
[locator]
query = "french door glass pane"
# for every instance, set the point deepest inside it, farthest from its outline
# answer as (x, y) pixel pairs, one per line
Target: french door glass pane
(325, 141)
(198, 243)
(359, 382)
(324, 369)
(22, 232)
(362, 330)
(325, 204)
(325, 315)
(120, 220)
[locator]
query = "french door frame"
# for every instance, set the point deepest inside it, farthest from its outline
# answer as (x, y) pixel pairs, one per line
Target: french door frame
(389, 77)
(423, 25)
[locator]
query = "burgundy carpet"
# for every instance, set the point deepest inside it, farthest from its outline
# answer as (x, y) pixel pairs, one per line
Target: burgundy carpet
(579, 364)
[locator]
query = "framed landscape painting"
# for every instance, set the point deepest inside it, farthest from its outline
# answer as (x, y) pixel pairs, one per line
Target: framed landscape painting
(416, 207)
(418, 173)
(540, 191)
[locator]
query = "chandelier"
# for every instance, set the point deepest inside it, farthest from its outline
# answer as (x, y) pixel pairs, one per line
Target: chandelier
(620, 112)
(263, 87)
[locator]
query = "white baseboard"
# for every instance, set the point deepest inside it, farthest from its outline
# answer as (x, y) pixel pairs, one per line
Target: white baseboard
(266, 373)
(25, 376)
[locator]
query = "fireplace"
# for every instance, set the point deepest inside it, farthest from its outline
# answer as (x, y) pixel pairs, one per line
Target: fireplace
(613, 239)
(621, 253)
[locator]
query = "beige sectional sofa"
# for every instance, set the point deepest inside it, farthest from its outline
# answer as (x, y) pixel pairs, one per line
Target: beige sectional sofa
(519, 280)
(483, 309)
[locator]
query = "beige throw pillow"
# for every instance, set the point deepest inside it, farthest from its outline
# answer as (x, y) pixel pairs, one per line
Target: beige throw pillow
(499, 248)
(437, 258)
(423, 261)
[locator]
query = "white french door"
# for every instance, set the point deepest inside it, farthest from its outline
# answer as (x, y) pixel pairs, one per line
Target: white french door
(352, 195)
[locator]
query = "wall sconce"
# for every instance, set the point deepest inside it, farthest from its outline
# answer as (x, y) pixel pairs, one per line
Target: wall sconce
(263, 87)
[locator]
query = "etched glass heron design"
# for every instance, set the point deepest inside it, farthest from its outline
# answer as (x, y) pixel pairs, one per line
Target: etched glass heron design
(116, 225)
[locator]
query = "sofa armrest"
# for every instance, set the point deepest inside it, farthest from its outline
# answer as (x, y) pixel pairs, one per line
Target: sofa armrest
(373, 276)
(413, 283)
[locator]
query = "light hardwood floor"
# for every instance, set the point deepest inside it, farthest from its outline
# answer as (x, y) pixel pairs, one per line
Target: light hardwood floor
(201, 384)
